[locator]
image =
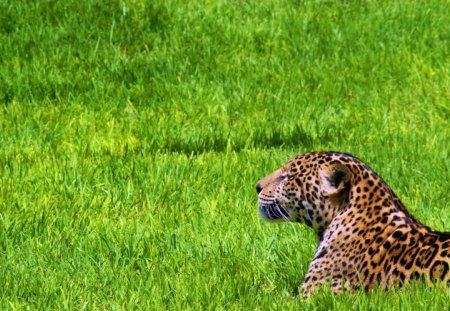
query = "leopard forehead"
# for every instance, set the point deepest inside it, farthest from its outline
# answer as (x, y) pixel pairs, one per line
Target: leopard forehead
(312, 160)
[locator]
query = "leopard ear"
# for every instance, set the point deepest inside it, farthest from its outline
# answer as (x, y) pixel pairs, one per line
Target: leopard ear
(335, 179)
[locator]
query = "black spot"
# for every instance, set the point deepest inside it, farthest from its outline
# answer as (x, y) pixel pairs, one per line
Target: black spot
(402, 277)
(395, 259)
(444, 236)
(395, 272)
(366, 273)
(373, 264)
(418, 262)
(321, 254)
(415, 275)
(371, 278)
(397, 234)
(409, 264)
(431, 255)
(438, 265)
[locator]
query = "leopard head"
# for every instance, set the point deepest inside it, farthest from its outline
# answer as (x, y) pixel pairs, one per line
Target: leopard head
(310, 188)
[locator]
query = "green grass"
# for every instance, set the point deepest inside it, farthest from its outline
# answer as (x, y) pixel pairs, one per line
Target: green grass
(132, 134)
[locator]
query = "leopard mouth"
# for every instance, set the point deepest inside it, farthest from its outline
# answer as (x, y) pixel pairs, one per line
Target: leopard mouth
(273, 212)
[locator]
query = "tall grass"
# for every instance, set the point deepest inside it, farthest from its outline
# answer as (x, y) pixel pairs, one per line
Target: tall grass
(132, 134)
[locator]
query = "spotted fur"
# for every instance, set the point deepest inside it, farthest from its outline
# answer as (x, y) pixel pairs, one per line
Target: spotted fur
(366, 236)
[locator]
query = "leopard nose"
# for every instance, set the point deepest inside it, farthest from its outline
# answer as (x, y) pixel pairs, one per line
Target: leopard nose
(258, 188)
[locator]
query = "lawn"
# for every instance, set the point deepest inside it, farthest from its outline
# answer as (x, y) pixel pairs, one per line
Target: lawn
(132, 134)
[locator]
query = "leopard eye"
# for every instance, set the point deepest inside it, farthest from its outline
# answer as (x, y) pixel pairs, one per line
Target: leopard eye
(283, 177)
(286, 176)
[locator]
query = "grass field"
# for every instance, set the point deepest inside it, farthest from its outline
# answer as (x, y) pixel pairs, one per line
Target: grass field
(132, 134)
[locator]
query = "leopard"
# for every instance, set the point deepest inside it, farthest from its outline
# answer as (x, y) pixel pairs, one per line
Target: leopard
(367, 239)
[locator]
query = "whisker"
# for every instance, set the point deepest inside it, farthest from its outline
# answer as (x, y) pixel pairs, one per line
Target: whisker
(282, 212)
